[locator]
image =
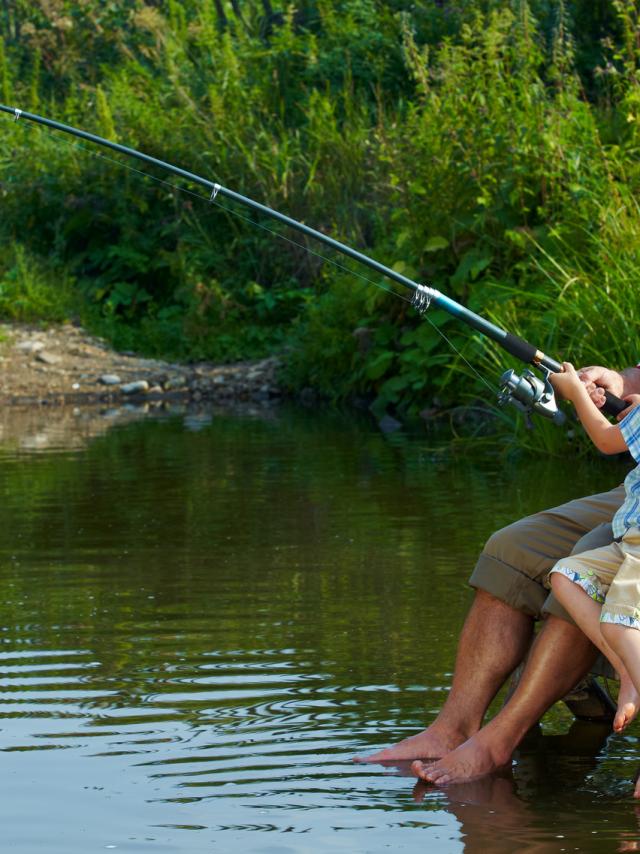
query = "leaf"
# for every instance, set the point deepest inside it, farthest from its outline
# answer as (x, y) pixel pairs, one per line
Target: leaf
(404, 269)
(434, 244)
(402, 238)
(379, 365)
(394, 385)
(471, 265)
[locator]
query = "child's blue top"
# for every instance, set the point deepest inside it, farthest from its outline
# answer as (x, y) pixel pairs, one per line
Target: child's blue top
(628, 516)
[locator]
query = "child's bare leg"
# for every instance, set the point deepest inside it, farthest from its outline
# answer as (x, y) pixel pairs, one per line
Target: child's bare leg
(625, 641)
(586, 612)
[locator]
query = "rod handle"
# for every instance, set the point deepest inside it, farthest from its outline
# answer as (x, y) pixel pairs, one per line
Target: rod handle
(613, 405)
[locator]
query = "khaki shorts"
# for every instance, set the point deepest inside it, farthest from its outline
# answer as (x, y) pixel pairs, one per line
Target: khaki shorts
(516, 560)
(611, 576)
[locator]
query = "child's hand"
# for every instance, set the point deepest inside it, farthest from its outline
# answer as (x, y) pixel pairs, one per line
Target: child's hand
(633, 400)
(568, 384)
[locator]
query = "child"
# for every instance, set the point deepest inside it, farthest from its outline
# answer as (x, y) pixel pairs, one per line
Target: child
(601, 588)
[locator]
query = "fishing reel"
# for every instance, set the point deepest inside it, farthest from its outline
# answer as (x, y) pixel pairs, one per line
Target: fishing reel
(530, 393)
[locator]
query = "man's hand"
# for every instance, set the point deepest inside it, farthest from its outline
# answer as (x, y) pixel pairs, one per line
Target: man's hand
(598, 379)
(633, 400)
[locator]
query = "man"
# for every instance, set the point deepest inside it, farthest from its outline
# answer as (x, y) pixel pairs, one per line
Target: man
(499, 629)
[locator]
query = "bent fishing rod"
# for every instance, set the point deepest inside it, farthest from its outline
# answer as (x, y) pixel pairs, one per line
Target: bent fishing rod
(528, 391)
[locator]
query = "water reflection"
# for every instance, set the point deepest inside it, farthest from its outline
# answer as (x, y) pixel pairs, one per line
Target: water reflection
(205, 615)
(540, 803)
(33, 429)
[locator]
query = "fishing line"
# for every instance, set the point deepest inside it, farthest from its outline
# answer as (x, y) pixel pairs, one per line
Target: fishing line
(94, 153)
(212, 201)
(359, 275)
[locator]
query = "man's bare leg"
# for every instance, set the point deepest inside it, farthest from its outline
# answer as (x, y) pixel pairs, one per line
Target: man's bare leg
(494, 640)
(560, 657)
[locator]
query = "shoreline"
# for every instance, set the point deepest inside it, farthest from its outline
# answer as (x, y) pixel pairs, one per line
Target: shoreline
(64, 365)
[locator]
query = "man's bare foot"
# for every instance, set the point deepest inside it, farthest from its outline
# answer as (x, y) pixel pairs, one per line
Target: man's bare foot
(473, 759)
(432, 743)
(628, 704)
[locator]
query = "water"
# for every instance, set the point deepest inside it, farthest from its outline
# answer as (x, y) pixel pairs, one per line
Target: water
(205, 616)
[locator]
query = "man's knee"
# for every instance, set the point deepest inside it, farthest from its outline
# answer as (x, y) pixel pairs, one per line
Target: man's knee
(553, 625)
(508, 570)
(516, 559)
(503, 543)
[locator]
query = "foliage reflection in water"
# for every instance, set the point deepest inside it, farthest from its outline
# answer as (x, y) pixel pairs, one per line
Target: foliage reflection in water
(205, 616)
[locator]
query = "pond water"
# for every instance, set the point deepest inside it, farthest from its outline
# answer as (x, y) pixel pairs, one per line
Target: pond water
(205, 616)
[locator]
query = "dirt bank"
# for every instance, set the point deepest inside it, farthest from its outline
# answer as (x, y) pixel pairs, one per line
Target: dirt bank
(65, 365)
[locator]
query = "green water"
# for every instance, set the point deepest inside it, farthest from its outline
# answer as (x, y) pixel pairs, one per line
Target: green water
(205, 616)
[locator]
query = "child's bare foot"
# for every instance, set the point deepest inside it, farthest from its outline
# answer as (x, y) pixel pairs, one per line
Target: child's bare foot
(628, 704)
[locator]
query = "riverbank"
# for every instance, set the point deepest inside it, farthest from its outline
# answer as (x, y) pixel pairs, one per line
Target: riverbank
(65, 365)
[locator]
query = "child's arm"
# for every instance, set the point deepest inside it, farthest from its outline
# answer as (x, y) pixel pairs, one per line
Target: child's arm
(605, 436)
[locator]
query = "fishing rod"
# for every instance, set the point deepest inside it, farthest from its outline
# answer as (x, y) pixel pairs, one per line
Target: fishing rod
(528, 391)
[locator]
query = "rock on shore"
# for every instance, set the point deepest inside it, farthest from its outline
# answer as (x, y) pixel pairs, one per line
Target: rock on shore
(64, 364)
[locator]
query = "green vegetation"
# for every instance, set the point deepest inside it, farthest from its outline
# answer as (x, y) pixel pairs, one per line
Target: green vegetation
(489, 149)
